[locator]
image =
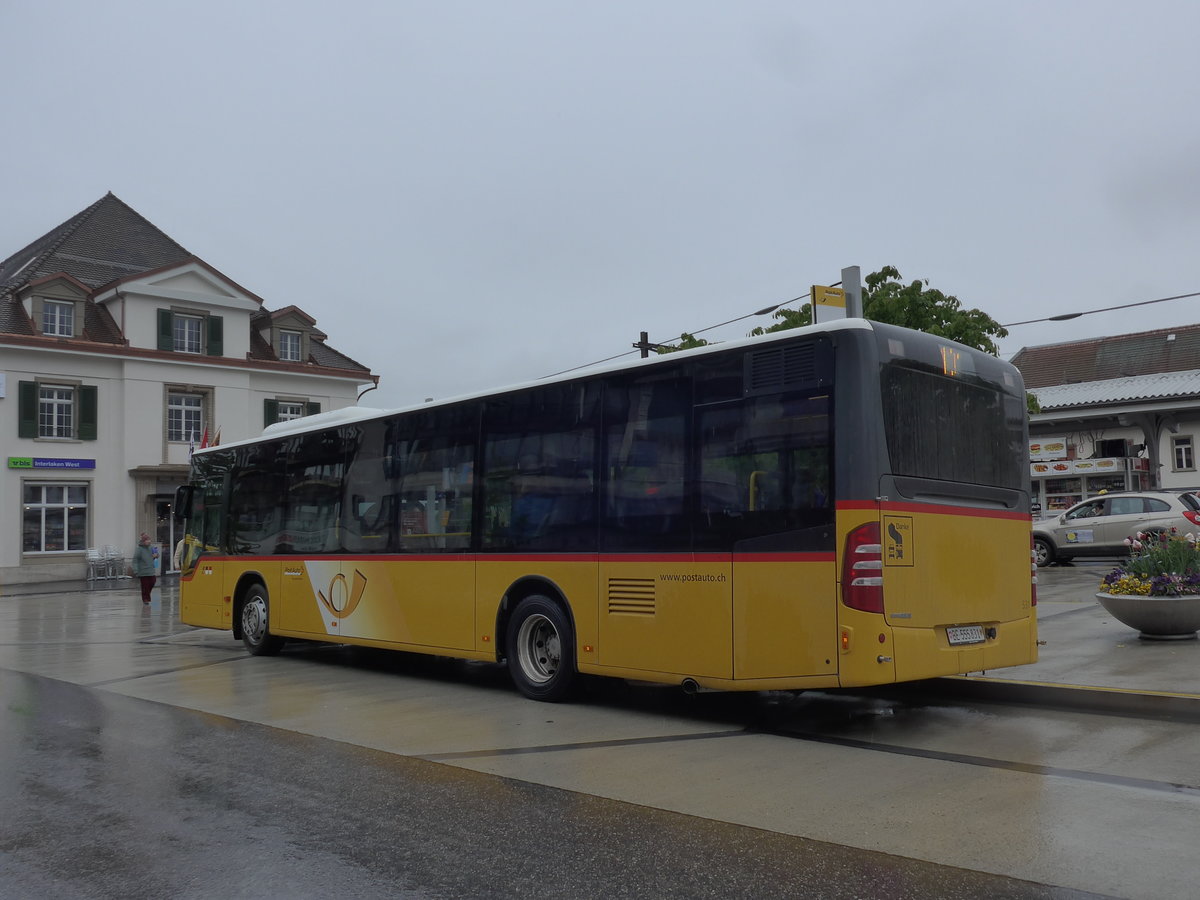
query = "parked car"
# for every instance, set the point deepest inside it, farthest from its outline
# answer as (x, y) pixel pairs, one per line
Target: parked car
(1101, 525)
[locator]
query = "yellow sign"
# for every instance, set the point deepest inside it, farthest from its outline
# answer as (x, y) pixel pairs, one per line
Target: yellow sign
(898, 547)
(828, 296)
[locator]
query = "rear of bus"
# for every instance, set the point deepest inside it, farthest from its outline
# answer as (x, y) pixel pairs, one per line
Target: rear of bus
(933, 520)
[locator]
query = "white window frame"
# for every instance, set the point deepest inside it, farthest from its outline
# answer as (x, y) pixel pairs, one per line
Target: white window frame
(61, 507)
(290, 344)
(58, 318)
(181, 407)
(290, 409)
(56, 410)
(1183, 453)
(188, 331)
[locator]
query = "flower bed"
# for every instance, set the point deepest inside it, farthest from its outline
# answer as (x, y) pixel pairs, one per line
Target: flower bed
(1157, 590)
(1164, 564)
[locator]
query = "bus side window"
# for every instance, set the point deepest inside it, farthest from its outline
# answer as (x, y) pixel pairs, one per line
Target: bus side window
(435, 457)
(540, 470)
(764, 473)
(371, 504)
(645, 426)
(316, 465)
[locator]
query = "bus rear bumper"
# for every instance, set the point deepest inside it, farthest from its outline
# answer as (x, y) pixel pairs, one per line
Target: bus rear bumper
(927, 652)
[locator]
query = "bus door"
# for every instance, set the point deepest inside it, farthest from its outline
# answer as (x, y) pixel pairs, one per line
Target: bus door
(764, 470)
(201, 604)
(406, 576)
(665, 602)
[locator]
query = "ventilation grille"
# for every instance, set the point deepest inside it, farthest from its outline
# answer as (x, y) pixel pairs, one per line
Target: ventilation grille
(784, 368)
(631, 596)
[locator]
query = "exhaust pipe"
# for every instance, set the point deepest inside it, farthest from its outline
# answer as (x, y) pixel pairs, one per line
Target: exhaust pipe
(690, 687)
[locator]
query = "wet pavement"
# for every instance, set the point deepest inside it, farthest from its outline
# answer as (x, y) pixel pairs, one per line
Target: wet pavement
(1084, 649)
(1040, 800)
(1087, 650)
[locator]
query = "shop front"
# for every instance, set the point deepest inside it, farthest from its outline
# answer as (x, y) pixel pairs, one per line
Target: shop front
(1058, 483)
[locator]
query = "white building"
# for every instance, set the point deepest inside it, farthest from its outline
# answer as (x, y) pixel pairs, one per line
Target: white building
(120, 351)
(1117, 413)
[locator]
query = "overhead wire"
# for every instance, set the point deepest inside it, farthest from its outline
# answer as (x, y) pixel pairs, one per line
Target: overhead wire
(760, 312)
(1062, 317)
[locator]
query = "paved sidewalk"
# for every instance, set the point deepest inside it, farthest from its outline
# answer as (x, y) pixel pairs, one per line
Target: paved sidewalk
(1084, 650)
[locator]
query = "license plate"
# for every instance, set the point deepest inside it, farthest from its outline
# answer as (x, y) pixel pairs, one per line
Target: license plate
(965, 634)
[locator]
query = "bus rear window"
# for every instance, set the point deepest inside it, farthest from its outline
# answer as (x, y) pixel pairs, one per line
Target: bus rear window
(952, 429)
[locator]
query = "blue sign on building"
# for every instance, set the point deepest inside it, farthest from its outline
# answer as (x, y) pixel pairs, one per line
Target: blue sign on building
(43, 462)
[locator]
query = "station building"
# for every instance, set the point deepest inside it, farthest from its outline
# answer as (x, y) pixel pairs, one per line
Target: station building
(120, 353)
(1117, 413)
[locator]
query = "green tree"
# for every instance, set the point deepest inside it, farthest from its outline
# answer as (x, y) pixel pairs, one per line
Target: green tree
(686, 342)
(886, 298)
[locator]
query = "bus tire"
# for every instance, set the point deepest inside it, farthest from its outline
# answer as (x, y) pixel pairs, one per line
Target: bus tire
(255, 621)
(541, 649)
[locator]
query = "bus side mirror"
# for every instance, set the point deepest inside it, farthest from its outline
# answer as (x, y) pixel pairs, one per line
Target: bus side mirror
(182, 508)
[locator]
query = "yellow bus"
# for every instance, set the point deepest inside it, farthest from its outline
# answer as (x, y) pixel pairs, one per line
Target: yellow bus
(840, 505)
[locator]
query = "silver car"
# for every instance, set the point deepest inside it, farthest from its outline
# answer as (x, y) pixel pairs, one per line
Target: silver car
(1101, 525)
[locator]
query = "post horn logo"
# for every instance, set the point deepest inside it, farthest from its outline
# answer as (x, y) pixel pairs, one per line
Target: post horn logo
(342, 600)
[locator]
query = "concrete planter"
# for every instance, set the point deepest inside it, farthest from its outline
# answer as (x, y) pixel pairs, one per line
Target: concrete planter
(1156, 618)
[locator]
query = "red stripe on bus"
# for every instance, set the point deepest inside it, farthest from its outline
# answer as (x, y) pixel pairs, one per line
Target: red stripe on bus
(781, 556)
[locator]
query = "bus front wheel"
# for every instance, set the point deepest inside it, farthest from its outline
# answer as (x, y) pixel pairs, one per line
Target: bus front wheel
(256, 632)
(541, 649)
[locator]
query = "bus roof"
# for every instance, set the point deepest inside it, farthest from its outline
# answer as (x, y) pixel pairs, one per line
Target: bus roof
(346, 415)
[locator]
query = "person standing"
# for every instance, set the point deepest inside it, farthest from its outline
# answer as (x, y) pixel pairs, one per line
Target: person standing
(143, 566)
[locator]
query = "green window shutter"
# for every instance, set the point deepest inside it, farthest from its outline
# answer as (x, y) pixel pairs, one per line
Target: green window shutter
(270, 412)
(88, 407)
(312, 408)
(166, 330)
(27, 409)
(216, 336)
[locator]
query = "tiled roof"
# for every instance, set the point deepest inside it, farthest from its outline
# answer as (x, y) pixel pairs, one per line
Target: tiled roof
(110, 241)
(107, 241)
(260, 347)
(1119, 356)
(99, 325)
(1159, 386)
(324, 355)
(13, 319)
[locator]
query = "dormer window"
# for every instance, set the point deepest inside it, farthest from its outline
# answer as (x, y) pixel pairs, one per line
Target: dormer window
(289, 346)
(58, 318)
(187, 333)
(184, 331)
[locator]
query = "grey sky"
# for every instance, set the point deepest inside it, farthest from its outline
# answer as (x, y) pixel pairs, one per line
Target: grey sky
(470, 194)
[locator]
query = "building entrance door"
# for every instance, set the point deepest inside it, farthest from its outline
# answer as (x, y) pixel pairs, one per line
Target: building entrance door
(164, 533)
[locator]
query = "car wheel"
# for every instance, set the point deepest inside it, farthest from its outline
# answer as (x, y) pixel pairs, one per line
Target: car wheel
(1043, 551)
(255, 619)
(541, 649)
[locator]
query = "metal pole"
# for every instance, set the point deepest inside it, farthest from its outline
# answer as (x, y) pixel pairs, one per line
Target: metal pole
(852, 285)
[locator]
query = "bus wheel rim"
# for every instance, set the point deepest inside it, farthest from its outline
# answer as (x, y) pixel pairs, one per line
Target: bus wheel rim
(539, 649)
(254, 619)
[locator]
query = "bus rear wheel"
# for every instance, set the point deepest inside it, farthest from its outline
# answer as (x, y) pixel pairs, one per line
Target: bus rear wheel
(256, 631)
(541, 649)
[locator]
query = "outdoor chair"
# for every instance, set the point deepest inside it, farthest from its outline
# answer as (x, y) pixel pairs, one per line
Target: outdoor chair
(114, 562)
(96, 564)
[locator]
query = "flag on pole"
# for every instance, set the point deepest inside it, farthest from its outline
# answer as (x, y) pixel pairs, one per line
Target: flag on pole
(204, 438)
(216, 436)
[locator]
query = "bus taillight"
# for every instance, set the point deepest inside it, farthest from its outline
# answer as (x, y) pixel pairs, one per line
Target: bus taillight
(862, 569)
